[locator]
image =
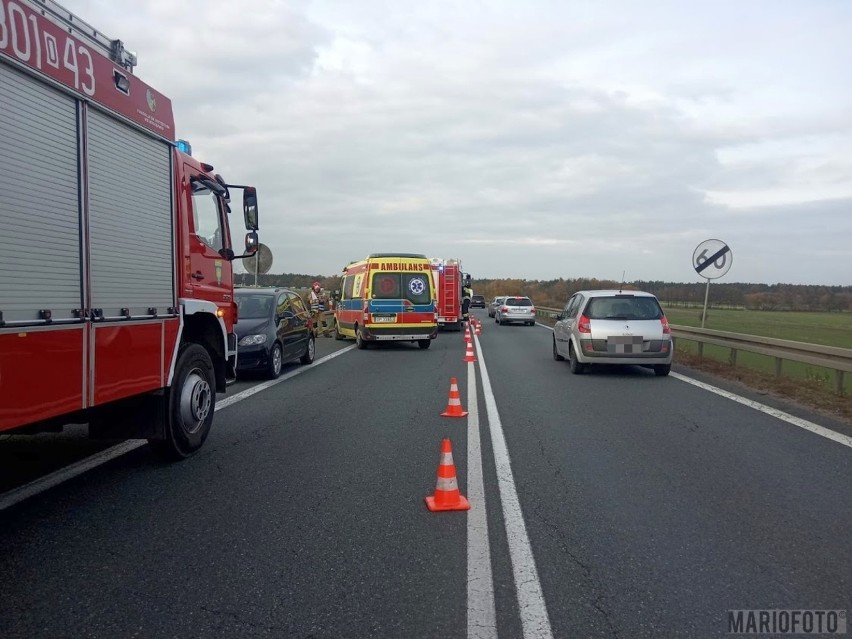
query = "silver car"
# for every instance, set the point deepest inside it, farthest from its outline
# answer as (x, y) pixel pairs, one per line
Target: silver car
(613, 327)
(515, 309)
(493, 304)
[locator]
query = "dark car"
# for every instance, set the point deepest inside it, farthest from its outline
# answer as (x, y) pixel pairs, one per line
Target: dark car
(477, 301)
(273, 327)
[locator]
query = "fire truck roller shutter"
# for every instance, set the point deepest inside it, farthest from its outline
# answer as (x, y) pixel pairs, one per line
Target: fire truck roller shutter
(39, 228)
(130, 218)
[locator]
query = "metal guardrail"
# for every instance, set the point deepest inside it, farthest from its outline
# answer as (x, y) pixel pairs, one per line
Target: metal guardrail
(831, 357)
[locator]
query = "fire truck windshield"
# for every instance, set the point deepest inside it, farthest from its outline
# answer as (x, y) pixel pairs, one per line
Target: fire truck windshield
(205, 216)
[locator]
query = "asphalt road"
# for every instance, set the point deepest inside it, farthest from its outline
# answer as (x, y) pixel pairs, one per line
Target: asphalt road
(650, 507)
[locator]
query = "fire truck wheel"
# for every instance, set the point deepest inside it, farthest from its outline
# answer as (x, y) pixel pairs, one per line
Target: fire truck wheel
(191, 404)
(276, 362)
(310, 352)
(424, 343)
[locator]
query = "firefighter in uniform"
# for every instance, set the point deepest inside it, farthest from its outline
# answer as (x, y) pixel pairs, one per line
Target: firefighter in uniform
(317, 302)
(467, 294)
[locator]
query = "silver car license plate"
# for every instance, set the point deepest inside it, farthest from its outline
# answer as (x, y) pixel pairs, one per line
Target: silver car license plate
(624, 344)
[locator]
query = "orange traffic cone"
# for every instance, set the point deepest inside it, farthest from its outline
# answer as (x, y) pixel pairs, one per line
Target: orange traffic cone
(467, 336)
(447, 495)
(454, 407)
(468, 353)
(478, 329)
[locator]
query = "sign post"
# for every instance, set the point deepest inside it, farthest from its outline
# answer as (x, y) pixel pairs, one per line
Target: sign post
(711, 260)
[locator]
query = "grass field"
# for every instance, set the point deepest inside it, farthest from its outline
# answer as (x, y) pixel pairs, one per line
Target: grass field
(806, 385)
(831, 329)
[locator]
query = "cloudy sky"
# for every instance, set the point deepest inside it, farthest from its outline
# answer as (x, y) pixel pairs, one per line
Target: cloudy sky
(535, 139)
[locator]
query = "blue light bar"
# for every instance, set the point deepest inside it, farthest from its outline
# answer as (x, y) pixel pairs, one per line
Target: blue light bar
(184, 146)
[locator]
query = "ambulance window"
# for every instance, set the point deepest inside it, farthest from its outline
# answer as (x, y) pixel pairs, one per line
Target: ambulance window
(205, 215)
(417, 288)
(348, 283)
(386, 286)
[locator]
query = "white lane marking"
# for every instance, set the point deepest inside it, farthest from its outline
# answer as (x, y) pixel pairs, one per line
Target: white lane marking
(57, 477)
(774, 412)
(481, 616)
(233, 399)
(534, 620)
(17, 495)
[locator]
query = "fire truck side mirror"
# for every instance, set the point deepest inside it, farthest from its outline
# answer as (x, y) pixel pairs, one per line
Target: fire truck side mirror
(252, 243)
(250, 208)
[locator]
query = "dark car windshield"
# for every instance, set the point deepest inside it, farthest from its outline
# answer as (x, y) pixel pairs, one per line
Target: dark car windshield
(254, 306)
(518, 301)
(624, 308)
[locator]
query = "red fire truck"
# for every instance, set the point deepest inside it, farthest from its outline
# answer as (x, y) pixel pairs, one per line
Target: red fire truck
(116, 285)
(449, 280)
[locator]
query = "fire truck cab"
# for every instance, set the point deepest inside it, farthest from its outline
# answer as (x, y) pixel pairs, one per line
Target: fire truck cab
(116, 285)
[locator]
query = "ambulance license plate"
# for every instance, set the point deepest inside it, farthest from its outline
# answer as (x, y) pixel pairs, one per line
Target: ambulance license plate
(384, 318)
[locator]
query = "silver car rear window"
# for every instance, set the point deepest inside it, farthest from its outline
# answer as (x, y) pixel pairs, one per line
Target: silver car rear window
(518, 301)
(625, 308)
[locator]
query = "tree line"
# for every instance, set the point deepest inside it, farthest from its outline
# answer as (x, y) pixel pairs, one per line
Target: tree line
(765, 297)
(554, 293)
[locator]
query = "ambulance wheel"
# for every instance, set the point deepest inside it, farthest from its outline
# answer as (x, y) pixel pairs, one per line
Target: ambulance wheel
(310, 352)
(337, 334)
(360, 342)
(191, 402)
(276, 362)
(424, 343)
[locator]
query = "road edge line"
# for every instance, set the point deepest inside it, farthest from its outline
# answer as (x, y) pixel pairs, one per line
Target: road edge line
(816, 429)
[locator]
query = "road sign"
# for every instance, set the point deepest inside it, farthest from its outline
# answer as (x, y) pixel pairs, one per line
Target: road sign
(712, 259)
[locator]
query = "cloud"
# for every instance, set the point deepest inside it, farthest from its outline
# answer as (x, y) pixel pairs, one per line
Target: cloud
(532, 140)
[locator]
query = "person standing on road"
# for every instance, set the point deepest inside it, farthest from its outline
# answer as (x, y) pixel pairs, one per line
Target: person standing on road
(467, 294)
(317, 303)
